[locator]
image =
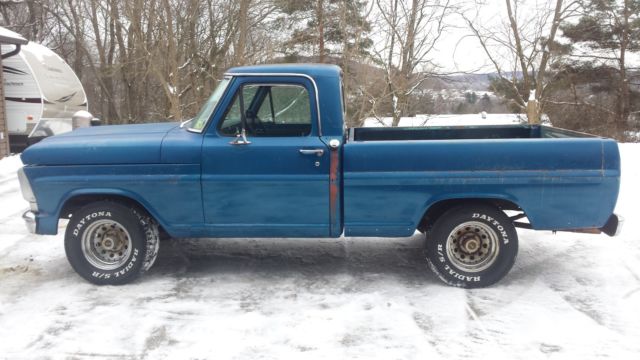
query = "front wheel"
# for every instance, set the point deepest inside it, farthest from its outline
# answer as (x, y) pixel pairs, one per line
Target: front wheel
(472, 246)
(108, 243)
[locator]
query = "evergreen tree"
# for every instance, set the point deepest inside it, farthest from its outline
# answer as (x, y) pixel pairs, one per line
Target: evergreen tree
(485, 102)
(509, 89)
(471, 97)
(610, 29)
(326, 27)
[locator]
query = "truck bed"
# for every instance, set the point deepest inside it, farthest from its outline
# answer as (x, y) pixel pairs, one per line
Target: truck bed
(461, 132)
(562, 179)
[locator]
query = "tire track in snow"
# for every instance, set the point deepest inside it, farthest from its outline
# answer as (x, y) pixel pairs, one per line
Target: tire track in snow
(9, 190)
(635, 276)
(9, 217)
(500, 352)
(8, 179)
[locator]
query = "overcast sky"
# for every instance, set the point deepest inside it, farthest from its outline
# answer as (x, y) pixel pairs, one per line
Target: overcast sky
(459, 50)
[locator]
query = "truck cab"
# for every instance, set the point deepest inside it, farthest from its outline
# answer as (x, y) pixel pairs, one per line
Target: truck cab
(270, 139)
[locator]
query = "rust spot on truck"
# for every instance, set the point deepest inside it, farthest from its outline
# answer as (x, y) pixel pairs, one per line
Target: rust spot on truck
(334, 191)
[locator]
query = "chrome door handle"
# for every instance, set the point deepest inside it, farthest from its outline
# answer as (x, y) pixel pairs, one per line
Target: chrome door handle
(317, 152)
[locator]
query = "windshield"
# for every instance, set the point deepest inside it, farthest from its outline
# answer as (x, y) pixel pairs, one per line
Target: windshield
(198, 122)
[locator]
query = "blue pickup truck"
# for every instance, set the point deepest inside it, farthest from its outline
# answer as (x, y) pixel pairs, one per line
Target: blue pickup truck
(269, 155)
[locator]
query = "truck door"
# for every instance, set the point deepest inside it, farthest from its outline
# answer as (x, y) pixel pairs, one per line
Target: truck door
(265, 171)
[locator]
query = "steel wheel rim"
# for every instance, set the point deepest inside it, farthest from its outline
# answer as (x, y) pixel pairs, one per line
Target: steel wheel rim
(473, 246)
(106, 244)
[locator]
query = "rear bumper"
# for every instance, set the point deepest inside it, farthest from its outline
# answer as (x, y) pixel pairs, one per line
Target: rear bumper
(30, 221)
(613, 225)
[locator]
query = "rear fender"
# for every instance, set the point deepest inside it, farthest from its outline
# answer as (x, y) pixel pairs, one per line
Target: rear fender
(462, 198)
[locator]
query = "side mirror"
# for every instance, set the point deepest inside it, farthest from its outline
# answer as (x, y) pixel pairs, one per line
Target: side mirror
(241, 139)
(96, 122)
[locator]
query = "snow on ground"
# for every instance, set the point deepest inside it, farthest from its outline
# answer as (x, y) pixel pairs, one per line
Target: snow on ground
(569, 296)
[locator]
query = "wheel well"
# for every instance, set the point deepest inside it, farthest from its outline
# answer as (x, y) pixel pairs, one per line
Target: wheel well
(76, 202)
(437, 209)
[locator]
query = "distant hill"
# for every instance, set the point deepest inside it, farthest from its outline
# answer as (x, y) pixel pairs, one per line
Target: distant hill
(475, 82)
(478, 82)
(472, 82)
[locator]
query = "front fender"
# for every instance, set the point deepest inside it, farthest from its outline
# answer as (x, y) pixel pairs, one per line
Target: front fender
(171, 193)
(47, 222)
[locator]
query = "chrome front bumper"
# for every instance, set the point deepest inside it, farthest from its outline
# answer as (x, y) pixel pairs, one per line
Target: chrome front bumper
(30, 221)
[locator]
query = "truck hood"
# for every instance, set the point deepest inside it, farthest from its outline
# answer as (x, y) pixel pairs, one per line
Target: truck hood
(100, 145)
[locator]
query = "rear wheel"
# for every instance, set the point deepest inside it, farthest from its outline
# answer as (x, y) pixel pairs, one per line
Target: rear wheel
(472, 246)
(109, 243)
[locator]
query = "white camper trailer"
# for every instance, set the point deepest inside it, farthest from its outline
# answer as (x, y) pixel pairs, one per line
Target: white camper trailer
(42, 93)
(16, 40)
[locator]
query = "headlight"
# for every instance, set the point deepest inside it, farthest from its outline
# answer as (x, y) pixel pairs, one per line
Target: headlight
(27, 192)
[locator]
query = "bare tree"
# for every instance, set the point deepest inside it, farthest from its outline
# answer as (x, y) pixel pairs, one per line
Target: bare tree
(521, 49)
(410, 30)
(150, 59)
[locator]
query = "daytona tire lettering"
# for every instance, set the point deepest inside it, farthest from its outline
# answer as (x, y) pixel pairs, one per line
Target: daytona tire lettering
(84, 249)
(471, 245)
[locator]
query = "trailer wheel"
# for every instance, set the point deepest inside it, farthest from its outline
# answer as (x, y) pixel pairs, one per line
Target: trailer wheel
(108, 243)
(472, 246)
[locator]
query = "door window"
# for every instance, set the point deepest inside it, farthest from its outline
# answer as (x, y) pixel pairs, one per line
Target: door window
(269, 111)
